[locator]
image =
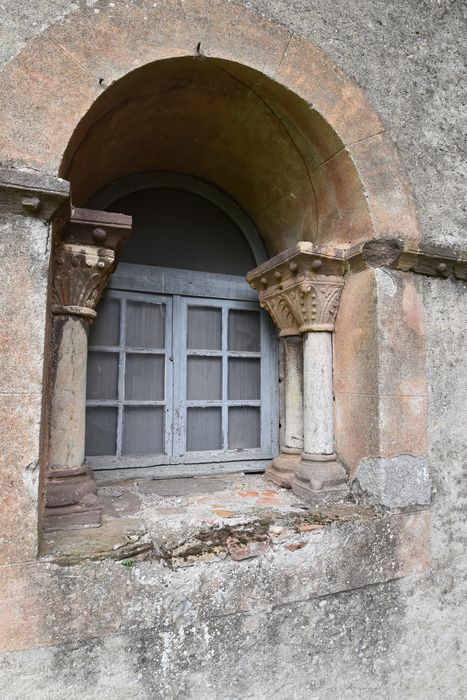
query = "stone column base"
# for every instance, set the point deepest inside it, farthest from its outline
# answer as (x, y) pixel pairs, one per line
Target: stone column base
(71, 500)
(320, 479)
(282, 468)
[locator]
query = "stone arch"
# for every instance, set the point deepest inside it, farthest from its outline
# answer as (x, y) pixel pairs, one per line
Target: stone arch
(348, 179)
(60, 80)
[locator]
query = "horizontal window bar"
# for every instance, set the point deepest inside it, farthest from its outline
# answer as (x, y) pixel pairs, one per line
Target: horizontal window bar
(104, 348)
(200, 403)
(204, 353)
(103, 402)
(145, 351)
(119, 348)
(237, 402)
(239, 353)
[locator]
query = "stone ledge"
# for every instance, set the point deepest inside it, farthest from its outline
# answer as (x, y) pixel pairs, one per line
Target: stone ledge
(254, 565)
(406, 256)
(181, 523)
(215, 546)
(119, 539)
(31, 193)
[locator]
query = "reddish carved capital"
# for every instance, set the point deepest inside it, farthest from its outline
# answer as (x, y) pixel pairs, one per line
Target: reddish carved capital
(80, 275)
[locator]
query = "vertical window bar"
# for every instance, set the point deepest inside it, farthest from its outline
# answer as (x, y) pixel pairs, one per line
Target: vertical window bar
(168, 379)
(225, 414)
(121, 376)
(179, 343)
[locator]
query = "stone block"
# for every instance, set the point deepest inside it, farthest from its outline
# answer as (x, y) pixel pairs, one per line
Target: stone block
(343, 217)
(396, 482)
(332, 94)
(48, 93)
(355, 340)
(400, 335)
(388, 190)
(122, 37)
(356, 428)
(402, 425)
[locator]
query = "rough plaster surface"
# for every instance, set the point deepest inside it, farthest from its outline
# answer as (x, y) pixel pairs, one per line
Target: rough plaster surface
(410, 60)
(408, 57)
(396, 482)
(208, 625)
(24, 254)
(285, 625)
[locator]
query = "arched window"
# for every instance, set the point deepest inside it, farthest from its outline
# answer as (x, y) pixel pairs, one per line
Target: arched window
(182, 364)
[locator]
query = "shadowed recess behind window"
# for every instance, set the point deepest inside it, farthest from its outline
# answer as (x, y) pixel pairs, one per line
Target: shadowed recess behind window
(175, 228)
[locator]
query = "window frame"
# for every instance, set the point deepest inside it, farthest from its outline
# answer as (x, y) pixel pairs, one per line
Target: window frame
(171, 281)
(129, 282)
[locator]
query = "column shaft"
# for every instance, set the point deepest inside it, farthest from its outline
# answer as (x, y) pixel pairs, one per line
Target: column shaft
(281, 470)
(293, 393)
(68, 401)
(317, 390)
(319, 477)
(301, 289)
(83, 260)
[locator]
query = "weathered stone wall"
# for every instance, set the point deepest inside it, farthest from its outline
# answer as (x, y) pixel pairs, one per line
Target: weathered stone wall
(403, 638)
(408, 57)
(410, 60)
(283, 624)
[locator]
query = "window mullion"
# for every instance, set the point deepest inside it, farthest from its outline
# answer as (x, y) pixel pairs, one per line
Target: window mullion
(179, 377)
(225, 415)
(121, 376)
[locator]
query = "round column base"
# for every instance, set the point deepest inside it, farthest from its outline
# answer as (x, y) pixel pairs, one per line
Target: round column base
(281, 471)
(320, 479)
(71, 500)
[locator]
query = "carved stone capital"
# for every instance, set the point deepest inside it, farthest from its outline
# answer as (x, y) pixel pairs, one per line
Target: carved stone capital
(315, 302)
(301, 288)
(80, 275)
(307, 305)
(277, 303)
(86, 253)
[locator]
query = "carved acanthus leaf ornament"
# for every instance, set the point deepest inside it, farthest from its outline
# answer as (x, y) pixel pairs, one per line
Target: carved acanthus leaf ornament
(279, 308)
(315, 302)
(80, 275)
(305, 305)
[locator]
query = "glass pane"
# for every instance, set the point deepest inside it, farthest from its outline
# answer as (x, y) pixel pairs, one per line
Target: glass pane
(144, 377)
(145, 325)
(244, 427)
(106, 328)
(143, 430)
(244, 330)
(244, 379)
(101, 431)
(204, 328)
(203, 429)
(102, 374)
(204, 378)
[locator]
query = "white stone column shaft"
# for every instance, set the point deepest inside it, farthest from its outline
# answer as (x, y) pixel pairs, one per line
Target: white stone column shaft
(317, 393)
(293, 392)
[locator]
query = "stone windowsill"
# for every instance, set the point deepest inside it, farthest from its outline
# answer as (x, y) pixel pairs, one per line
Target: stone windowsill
(179, 523)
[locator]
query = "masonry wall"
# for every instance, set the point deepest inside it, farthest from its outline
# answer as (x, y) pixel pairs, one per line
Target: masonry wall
(165, 636)
(407, 57)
